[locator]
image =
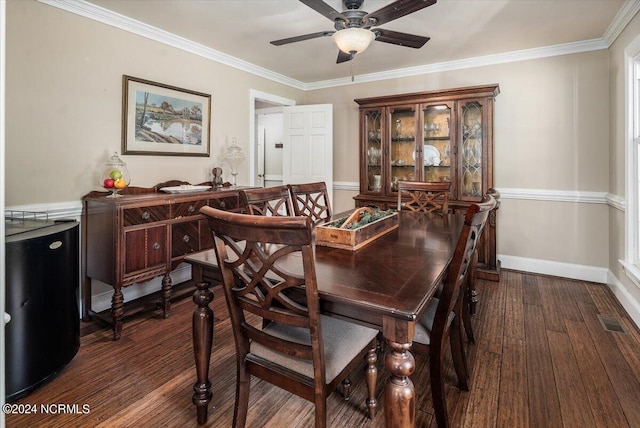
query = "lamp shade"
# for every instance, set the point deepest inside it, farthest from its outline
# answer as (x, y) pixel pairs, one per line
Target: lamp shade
(353, 40)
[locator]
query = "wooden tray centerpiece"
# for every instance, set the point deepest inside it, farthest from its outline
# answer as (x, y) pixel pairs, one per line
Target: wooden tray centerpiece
(363, 226)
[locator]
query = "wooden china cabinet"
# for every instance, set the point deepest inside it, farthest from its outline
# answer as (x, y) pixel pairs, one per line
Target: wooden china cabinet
(444, 135)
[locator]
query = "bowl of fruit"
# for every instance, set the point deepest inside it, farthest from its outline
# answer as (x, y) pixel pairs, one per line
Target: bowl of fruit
(115, 176)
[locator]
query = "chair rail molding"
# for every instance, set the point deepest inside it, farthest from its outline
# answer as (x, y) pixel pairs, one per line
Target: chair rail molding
(577, 196)
(74, 208)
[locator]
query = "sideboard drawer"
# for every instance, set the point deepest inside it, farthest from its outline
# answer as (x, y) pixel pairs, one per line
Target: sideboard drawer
(185, 238)
(228, 204)
(144, 215)
(186, 209)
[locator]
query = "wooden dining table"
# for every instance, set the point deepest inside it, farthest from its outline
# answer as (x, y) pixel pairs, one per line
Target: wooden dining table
(385, 285)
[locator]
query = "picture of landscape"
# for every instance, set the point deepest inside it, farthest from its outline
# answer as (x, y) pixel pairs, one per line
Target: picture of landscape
(160, 119)
(164, 119)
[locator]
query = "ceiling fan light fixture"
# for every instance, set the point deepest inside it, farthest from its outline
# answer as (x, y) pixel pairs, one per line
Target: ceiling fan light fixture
(353, 40)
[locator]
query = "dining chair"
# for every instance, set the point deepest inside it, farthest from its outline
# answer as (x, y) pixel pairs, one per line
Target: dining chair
(267, 201)
(441, 320)
(425, 197)
(471, 298)
(269, 281)
(311, 200)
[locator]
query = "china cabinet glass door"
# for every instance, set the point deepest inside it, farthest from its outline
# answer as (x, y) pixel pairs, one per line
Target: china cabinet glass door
(436, 151)
(403, 146)
(471, 120)
(435, 136)
(374, 149)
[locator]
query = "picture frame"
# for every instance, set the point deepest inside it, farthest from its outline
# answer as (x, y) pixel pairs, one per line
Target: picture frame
(164, 120)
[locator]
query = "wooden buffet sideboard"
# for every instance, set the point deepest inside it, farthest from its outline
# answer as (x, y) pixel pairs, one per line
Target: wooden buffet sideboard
(143, 235)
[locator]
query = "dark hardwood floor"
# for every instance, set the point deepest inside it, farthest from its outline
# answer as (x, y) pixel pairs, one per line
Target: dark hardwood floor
(542, 358)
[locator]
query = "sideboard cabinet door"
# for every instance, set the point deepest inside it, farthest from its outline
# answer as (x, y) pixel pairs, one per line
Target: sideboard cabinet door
(144, 249)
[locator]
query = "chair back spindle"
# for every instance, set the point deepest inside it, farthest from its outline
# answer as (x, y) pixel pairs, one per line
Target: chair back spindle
(425, 197)
(311, 200)
(267, 201)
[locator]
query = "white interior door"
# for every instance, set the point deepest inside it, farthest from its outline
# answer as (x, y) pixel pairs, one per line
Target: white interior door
(308, 145)
(260, 153)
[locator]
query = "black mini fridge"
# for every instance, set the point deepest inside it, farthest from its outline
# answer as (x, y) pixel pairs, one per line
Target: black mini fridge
(42, 277)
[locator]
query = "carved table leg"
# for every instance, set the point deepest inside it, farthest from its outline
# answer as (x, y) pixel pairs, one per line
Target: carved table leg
(399, 393)
(202, 342)
(371, 375)
(117, 311)
(167, 285)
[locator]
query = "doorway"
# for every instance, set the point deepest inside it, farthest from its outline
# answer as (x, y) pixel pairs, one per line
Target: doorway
(266, 125)
(299, 146)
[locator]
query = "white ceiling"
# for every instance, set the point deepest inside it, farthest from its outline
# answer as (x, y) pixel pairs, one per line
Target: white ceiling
(459, 30)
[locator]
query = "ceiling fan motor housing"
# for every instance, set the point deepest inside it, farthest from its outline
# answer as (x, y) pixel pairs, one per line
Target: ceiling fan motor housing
(352, 4)
(355, 19)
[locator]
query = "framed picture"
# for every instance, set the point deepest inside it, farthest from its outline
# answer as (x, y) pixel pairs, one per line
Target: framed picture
(160, 119)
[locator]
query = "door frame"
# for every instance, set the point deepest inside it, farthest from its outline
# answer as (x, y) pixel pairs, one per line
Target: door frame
(255, 95)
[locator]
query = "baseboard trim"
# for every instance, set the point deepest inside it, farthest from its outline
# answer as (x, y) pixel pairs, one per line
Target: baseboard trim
(580, 272)
(548, 267)
(628, 302)
(102, 301)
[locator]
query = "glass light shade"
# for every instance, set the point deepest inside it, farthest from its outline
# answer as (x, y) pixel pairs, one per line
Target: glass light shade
(353, 39)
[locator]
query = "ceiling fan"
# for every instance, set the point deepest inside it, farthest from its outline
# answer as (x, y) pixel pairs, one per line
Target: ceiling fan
(353, 26)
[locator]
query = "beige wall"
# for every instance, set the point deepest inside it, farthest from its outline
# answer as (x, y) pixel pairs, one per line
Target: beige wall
(617, 154)
(64, 95)
(551, 133)
(64, 119)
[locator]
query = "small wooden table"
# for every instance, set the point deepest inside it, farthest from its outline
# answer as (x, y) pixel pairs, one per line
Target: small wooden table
(385, 285)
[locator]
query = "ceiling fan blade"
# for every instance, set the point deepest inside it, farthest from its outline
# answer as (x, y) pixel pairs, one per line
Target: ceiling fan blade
(301, 38)
(343, 57)
(402, 39)
(398, 9)
(324, 9)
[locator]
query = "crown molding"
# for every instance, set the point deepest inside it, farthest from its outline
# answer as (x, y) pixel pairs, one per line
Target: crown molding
(96, 13)
(521, 55)
(626, 13)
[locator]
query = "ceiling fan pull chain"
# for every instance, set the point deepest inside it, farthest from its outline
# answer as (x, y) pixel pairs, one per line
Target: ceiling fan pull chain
(353, 56)
(351, 69)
